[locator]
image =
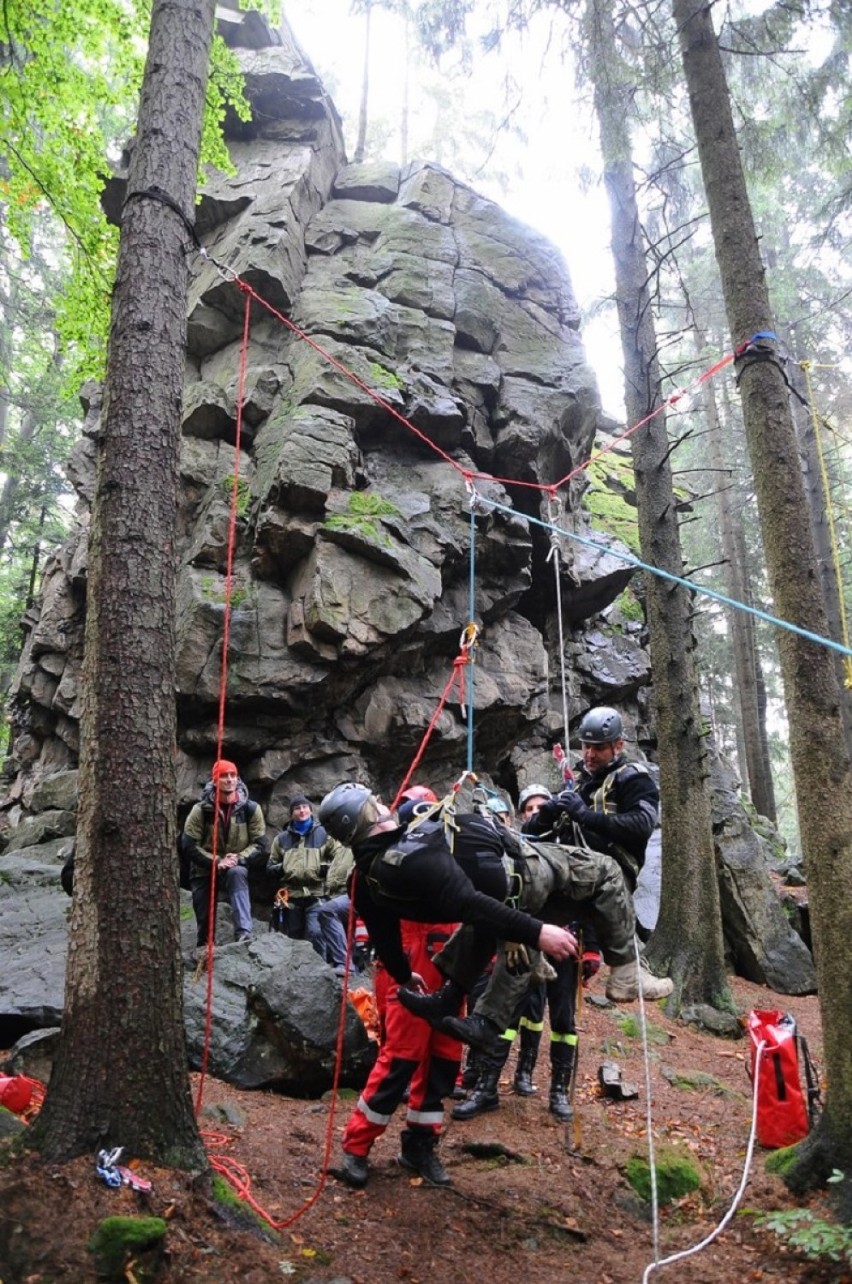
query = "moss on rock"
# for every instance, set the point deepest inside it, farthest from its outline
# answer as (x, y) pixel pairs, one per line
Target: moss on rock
(677, 1174)
(118, 1240)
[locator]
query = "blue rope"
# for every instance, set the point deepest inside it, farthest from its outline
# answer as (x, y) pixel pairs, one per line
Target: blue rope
(470, 609)
(677, 579)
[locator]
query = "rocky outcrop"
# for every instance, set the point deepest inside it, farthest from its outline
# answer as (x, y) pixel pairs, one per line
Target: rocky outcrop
(423, 338)
(414, 352)
(274, 1006)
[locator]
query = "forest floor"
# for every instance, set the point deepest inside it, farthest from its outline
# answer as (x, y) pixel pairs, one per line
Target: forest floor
(531, 1199)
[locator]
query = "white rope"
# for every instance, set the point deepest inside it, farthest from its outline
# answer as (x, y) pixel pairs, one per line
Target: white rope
(554, 554)
(696, 1248)
(649, 1121)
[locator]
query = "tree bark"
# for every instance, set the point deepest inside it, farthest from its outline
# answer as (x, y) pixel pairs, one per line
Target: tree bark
(120, 1076)
(687, 941)
(361, 143)
(756, 762)
(821, 765)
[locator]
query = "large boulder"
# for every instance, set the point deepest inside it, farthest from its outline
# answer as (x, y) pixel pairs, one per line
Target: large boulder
(275, 1003)
(275, 1011)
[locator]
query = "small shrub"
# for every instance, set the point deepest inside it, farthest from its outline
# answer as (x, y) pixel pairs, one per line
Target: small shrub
(815, 1239)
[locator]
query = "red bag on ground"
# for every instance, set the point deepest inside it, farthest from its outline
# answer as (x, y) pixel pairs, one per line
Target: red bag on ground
(783, 1109)
(16, 1092)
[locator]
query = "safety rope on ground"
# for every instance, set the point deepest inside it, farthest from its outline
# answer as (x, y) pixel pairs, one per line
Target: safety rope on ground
(717, 1231)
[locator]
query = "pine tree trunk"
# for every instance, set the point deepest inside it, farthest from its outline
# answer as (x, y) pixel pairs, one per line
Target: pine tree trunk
(361, 144)
(756, 764)
(821, 766)
(687, 941)
(120, 1076)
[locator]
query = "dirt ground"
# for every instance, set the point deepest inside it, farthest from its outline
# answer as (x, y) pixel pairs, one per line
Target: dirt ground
(531, 1198)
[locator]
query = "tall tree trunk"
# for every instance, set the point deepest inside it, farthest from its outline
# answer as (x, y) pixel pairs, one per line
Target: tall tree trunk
(755, 763)
(406, 93)
(817, 478)
(688, 936)
(120, 1075)
(12, 484)
(361, 144)
(821, 765)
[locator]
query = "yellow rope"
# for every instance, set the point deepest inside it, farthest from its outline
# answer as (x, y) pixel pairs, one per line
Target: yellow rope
(832, 529)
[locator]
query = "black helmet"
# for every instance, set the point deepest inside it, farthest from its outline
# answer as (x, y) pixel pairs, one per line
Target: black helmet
(348, 812)
(601, 726)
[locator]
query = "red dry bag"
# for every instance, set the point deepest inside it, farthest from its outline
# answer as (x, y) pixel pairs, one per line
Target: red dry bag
(784, 1111)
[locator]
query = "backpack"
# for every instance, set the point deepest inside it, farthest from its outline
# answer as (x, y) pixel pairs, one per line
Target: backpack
(785, 1112)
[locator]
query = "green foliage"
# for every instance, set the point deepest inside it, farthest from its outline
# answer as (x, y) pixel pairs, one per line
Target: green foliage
(70, 76)
(363, 507)
(801, 1230)
(676, 1172)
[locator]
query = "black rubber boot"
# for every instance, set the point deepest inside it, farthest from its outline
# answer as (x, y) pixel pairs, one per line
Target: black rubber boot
(560, 1106)
(523, 1084)
(419, 1155)
(485, 1095)
(433, 1007)
(476, 1031)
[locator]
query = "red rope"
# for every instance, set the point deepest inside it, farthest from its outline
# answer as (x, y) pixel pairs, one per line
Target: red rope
(223, 687)
(468, 474)
(456, 677)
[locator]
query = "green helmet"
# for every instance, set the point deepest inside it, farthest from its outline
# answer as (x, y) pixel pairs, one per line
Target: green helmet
(348, 812)
(601, 726)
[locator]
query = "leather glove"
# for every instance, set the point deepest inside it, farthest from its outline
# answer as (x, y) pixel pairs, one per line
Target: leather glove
(572, 805)
(591, 965)
(517, 958)
(546, 818)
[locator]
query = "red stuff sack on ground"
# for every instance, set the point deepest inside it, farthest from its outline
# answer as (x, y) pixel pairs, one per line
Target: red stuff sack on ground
(784, 1110)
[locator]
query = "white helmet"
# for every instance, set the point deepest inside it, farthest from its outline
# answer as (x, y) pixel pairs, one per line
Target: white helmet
(532, 791)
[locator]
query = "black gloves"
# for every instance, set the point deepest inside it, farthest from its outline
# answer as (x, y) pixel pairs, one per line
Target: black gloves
(567, 806)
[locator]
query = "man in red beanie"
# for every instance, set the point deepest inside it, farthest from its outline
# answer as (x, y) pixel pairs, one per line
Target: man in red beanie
(227, 823)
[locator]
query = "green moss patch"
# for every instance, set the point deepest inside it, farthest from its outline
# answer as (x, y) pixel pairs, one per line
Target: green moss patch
(677, 1174)
(121, 1240)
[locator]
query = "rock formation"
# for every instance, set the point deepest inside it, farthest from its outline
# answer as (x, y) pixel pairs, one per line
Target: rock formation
(351, 570)
(431, 339)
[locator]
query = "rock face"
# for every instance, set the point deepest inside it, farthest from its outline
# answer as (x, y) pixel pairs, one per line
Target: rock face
(275, 1004)
(431, 317)
(413, 353)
